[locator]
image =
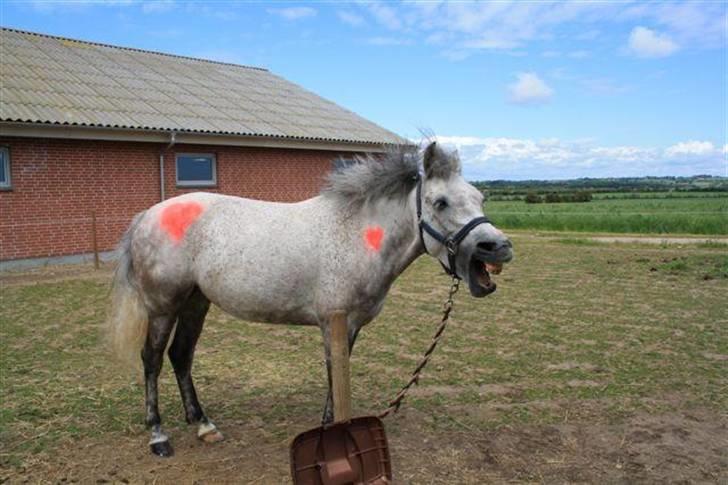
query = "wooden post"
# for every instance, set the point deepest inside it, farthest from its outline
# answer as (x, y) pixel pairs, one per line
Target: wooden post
(94, 241)
(340, 384)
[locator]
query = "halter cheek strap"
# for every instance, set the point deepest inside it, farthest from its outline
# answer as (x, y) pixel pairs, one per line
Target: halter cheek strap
(452, 241)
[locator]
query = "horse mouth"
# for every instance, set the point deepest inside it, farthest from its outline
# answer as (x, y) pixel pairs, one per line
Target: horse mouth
(479, 280)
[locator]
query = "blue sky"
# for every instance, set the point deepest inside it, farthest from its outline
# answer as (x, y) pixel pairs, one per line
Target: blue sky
(522, 89)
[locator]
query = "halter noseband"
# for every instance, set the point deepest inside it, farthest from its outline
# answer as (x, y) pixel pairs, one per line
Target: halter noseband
(451, 242)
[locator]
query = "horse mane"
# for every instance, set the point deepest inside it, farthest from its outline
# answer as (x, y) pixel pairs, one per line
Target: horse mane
(392, 175)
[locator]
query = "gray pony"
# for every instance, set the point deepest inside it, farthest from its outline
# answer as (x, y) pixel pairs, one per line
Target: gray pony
(292, 263)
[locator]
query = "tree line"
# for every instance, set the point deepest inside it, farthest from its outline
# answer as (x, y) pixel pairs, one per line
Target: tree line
(553, 197)
(521, 188)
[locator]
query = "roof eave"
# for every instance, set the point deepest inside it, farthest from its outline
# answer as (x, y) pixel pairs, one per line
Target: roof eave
(77, 132)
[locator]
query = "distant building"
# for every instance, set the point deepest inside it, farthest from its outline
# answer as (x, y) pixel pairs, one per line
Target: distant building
(87, 127)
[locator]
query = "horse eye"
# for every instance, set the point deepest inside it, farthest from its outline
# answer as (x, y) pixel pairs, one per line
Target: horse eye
(440, 203)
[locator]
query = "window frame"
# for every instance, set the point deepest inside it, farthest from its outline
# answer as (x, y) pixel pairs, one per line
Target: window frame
(8, 184)
(195, 183)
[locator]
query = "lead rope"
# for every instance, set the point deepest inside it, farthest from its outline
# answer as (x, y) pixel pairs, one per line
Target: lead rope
(395, 403)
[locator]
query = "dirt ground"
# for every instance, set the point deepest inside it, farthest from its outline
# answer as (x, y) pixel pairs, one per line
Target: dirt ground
(646, 448)
(660, 240)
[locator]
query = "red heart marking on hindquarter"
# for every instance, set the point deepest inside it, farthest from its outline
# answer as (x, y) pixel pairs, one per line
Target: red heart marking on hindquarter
(373, 237)
(177, 217)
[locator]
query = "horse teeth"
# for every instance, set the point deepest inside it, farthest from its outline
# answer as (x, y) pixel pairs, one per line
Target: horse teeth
(494, 268)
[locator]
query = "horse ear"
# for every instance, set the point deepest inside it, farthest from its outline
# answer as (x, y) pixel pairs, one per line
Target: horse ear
(439, 164)
(429, 158)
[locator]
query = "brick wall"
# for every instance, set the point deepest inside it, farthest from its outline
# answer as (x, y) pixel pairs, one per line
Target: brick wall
(56, 184)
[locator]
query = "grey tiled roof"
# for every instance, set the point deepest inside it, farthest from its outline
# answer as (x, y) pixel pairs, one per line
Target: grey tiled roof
(45, 79)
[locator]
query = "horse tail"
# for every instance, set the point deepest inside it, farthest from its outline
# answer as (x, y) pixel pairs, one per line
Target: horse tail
(127, 321)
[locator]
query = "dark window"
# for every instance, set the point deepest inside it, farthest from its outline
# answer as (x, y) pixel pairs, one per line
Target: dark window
(4, 168)
(196, 170)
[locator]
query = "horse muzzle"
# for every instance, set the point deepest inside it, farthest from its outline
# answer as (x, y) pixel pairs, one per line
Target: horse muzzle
(487, 257)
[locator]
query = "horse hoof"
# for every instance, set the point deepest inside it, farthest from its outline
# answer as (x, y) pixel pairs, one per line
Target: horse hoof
(213, 436)
(162, 449)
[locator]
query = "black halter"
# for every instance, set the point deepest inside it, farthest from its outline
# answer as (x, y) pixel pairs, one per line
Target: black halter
(451, 242)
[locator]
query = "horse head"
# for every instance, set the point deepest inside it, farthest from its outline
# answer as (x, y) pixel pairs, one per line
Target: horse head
(452, 225)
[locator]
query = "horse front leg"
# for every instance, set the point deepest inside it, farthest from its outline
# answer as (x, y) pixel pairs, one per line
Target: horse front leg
(328, 414)
(158, 333)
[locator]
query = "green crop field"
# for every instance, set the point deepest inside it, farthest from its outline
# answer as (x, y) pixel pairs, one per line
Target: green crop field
(706, 214)
(659, 195)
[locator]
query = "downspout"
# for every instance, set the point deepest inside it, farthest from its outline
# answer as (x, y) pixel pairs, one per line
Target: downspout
(162, 194)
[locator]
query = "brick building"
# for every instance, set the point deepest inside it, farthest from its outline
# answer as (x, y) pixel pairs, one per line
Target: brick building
(90, 130)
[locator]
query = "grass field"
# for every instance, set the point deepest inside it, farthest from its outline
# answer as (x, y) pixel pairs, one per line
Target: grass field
(592, 363)
(659, 195)
(679, 215)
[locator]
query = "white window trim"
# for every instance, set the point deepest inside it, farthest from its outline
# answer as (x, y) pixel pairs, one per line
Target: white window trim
(8, 184)
(196, 183)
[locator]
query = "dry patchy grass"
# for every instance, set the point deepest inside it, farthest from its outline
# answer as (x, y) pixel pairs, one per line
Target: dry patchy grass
(591, 362)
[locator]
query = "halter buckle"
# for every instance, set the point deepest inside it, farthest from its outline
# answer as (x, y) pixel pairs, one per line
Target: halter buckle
(451, 246)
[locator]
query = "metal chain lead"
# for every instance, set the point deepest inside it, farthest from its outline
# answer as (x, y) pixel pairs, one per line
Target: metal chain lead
(395, 403)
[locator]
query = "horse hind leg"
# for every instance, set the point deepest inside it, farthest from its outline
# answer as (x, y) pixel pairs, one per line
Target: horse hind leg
(181, 353)
(158, 333)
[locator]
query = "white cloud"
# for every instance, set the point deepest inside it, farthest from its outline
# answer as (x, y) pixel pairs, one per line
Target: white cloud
(549, 151)
(529, 89)
(50, 6)
(385, 15)
(388, 41)
(604, 86)
(293, 13)
(455, 55)
(579, 54)
(517, 158)
(698, 23)
(462, 141)
(437, 38)
(158, 6)
(623, 153)
(351, 18)
(644, 42)
(502, 24)
(588, 35)
(481, 150)
(491, 42)
(690, 148)
(507, 25)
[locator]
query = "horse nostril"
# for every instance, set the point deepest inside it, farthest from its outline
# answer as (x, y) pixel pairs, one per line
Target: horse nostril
(492, 246)
(487, 246)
